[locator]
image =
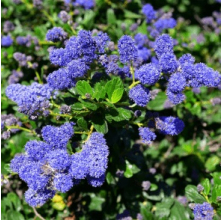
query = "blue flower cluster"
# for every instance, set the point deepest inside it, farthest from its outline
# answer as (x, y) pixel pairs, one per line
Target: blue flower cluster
(169, 125)
(140, 95)
(147, 135)
(56, 34)
(32, 100)
(6, 41)
(203, 211)
(75, 58)
(159, 21)
(182, 72)
(47, 167)
(87, 4)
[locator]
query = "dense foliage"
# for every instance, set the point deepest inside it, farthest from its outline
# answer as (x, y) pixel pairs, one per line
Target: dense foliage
(111, 109)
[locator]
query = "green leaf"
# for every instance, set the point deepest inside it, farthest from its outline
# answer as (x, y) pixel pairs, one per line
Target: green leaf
(82, 123)
(110, 178)
(15, 200)
(130, 169)
(99, 91)
(100, 124)
(129, 14)
(12, 215)
(96, 203)
(158, 103)
(117, 95)
(111, 18)
(163, 208)
(178, 212)
(216, 191)
(126, 114)
(89, 105)
(112, 85)
(193, 195)
(207, 186)
(89, 19)
(77, 106)
(212, 162)
(83, 87)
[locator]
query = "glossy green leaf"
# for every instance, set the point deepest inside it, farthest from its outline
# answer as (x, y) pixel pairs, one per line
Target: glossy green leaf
(112, 85)
(83, 87)
(193, 195)
(117, 95)
(82, 123)
(207, 186)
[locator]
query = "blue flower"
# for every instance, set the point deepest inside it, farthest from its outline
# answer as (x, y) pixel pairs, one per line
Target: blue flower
(63, 182)
(147, 135)
(169, 125)
(6, 41)
(59, 57)
(148, 74)
(203, 211)
(175, 98)
(56, 34)
(162, 24)
(140, 95)
(140, 40)
(163, 44)
(168, 63)
(177, 83)
(87, 4)
(149, 12)
(127, 49)
(144, 53)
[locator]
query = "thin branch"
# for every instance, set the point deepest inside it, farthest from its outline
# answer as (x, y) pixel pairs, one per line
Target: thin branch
(37, 214)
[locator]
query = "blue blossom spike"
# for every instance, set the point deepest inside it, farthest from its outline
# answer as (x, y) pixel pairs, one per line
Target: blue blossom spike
(177, 83)
(96, 182)
(6, 41)
(163, 44)
(168, 63)
(203, 211)
(56, 34)
(148, 74)
(140, 40)
(147, 135)
(63, 182)
(169, 125)
(127, 49)
(140, 95)
(149, 12)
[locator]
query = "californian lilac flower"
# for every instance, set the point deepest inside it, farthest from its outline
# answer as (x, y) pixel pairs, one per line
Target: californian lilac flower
(87, 4)
(133, 27)
(79, 165)
(203, 211)
(6, 41)
(72, 47)
(37, 150)
(56, 34)
(57, 137)
(59, 159)
(37, 198)
(60, 79)
(97, 155)
(175, 98)
(169, 125)
(153, 93)
(144, 53)
(24, 41)
(31, 173)
(17, 162)
(8, 26)
(177, 83)
(163, 44)
(96, 182)
(146, 185)
(148, 74)
(200, 188)
(162, 24)
(9, 120)
(21, 58)
(140, 40)
(124, 216)
(168, 63)
(147, 135)
(127, 49)
(65, 109)
(15, 77)
(30, 99)
(77, 68)
(124, 72)
(6, 135)
(168, 104)
(140, 95)
(149, 12)
(101, 40)
(59, 57)
(186, 59)
(137, 113)
(64, 16)
(215, 101)
(183, 200)
(139, 217)
(63, 182)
